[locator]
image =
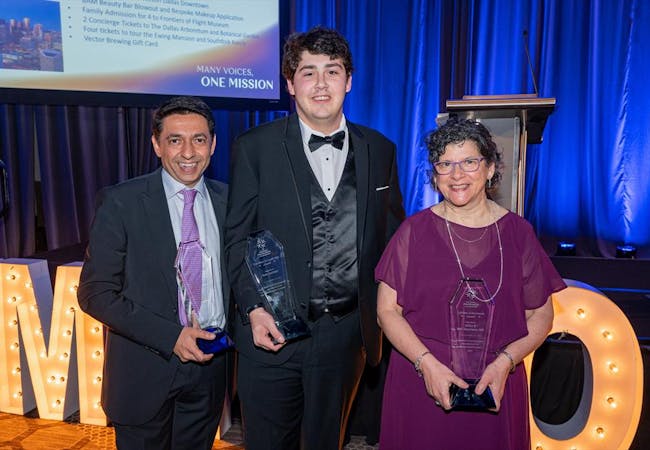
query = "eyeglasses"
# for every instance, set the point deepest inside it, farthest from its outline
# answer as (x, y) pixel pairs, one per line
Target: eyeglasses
(466, 165)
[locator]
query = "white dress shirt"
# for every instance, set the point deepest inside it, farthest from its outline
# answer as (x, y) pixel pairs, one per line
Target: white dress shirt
(212, 311)
(328, 162)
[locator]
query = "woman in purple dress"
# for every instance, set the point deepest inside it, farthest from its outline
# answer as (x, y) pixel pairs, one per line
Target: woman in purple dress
(464, 250)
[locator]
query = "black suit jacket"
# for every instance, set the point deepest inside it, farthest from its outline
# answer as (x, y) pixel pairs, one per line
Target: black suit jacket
(270, 189)
(128, 282)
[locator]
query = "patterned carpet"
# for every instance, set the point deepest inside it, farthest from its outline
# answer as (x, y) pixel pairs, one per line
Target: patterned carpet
(31, 433)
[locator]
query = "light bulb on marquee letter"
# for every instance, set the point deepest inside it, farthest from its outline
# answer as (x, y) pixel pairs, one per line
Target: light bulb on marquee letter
(617, 368)
(49, 390)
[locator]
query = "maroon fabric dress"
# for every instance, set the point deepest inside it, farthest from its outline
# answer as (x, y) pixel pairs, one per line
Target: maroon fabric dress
(419, 263)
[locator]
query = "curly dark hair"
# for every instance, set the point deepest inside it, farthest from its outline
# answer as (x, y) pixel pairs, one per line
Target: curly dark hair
(317, 41)
(181, 105)
(459, 130)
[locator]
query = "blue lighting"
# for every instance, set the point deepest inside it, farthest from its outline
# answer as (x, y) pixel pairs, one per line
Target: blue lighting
(565, 248)
(626, 251)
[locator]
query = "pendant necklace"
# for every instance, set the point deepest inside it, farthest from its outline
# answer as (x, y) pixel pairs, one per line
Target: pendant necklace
(460, 266)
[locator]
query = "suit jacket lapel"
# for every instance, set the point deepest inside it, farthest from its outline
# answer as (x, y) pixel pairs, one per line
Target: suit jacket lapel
(158, 230)
(361, 168)
(300, 172)
(219, 204)
(219, 200)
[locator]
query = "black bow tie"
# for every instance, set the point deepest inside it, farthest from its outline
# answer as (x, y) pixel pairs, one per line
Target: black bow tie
(336, 140)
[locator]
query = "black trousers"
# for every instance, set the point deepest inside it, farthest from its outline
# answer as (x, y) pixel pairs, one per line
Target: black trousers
(188, 419)
(304, 402)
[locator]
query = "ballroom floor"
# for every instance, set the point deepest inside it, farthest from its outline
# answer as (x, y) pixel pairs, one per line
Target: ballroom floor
(31, 433)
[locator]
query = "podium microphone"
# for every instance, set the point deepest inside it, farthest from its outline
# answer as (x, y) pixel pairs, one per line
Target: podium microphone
(530, 66)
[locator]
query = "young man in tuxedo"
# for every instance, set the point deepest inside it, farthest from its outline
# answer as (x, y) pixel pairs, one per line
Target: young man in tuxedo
(327, 189)
(159, 389)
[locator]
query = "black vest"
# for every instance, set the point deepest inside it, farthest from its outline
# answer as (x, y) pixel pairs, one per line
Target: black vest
(335, 259)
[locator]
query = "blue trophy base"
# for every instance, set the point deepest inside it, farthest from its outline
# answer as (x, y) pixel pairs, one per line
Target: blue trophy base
(220, 343)
(468, 400)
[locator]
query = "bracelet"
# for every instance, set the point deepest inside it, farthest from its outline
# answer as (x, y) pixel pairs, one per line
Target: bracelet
(418, 363)
(509, 356)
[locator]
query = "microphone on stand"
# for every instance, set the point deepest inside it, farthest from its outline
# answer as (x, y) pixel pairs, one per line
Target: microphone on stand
(530, 66)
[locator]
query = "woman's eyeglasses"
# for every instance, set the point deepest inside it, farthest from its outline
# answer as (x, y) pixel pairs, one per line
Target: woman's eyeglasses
(466, 165)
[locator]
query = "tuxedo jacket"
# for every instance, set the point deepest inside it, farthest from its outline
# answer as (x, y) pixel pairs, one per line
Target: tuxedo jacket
(270, 183)
(128, 282)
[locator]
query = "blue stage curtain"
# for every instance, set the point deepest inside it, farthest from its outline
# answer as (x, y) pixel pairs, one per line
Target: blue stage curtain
(589, 180)
(586, 182)
(82, 149)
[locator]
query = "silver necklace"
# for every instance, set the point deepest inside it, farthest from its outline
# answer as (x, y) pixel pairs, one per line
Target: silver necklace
(469, 241)
(460, 266)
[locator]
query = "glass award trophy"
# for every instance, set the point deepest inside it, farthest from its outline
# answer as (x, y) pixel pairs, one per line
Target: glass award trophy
(205, 315)
(267, 264)
(471, 310)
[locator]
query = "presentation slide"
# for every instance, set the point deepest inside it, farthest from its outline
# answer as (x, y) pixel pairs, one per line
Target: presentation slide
(209, 48)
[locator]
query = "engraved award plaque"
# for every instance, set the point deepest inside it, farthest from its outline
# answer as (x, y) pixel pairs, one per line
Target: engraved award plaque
(470, 318)
(266, 262)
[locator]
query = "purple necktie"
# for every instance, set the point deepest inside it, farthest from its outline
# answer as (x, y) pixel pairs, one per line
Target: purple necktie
(189, 258)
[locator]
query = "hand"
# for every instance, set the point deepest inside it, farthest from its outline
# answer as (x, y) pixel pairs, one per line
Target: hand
(438, 378)
(495, 376)
(265, 333)
(186, 348)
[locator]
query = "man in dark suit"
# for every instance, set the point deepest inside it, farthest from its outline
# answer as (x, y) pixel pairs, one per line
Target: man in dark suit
(159, 389)
(327, 189)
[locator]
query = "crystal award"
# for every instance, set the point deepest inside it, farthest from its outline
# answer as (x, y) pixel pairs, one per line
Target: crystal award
(471, 310)
(267, 265)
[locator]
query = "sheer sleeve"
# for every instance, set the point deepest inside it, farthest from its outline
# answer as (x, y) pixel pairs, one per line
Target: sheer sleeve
(393, 265)
(540, 278)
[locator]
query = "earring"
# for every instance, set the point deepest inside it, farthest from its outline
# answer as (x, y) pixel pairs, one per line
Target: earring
(489, 183)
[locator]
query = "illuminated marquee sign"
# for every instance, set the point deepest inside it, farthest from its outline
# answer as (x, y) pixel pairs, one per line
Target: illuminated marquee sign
(608, 415)
(29, 312)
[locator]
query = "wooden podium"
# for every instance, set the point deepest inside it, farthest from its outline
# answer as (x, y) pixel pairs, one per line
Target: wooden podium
(514, 121)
